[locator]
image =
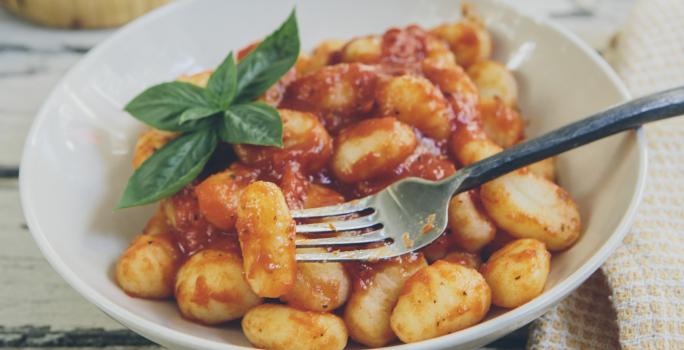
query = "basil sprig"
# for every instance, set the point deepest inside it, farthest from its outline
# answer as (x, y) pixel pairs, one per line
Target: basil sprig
(223, 111)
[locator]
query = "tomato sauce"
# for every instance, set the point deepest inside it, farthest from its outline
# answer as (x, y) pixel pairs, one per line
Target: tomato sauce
(191, 230)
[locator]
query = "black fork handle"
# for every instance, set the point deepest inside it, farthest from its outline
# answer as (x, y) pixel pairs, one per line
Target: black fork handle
(630, 115)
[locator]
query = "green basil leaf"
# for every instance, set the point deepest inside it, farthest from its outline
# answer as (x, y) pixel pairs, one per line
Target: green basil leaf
(254, 123)
(223, 82)
(169, 169)
(162, 105)
(269, 61)
(196, 113)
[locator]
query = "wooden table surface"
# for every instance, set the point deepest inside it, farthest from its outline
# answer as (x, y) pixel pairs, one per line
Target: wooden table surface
(37, 308)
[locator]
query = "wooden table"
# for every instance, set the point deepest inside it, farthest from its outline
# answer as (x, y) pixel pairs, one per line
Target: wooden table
(37, 308)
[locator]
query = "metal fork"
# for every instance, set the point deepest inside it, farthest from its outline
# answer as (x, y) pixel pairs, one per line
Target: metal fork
(412, 213)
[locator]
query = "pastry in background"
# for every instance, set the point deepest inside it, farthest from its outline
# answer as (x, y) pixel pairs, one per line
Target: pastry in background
(77, 14)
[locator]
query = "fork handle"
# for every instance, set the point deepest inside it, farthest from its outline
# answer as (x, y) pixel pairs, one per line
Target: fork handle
(630, 115)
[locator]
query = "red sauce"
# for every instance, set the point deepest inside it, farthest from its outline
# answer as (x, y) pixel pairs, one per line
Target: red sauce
(294, 186)
(361, 273)
(191, 230)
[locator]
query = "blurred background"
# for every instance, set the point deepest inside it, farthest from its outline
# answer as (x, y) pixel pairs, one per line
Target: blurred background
(39, 41)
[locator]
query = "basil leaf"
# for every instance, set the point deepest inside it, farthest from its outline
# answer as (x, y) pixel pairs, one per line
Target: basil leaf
(269, 61)
(222, 84)
(196, 113)
(169, 169)
(162, 105)
(254, 123)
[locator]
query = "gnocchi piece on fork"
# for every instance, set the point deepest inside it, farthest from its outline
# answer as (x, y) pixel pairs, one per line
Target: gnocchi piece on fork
(267, 239)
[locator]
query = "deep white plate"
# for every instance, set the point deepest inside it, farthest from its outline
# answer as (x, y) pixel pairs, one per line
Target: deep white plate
(77, 156)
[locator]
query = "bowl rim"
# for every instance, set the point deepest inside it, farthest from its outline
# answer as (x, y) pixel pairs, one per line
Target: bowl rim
(500, 325)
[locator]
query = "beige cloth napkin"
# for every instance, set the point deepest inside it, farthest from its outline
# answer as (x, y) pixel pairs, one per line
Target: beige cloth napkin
(636, 300)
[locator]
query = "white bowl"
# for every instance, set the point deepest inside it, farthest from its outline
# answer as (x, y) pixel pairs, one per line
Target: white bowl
(77, 156)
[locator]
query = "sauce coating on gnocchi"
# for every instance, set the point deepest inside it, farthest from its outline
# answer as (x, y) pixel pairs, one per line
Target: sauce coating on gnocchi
(367, 149)
(280, 327)
(211, 288)
(439, 299)
(358, 115)
(266, 232)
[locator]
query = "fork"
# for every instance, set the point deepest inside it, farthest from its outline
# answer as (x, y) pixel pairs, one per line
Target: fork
(412, 213)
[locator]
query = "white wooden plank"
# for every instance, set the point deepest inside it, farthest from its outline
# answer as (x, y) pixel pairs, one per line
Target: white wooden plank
(100, 348)
(32, 60)
(46, 337)
(24, 86)
(32, 293)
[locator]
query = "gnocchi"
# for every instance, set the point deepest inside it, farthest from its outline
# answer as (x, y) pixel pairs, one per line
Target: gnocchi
(523, 204)
(527, 206)
(498, 100)
(148, 267)
(211, 288)
(217, 196)
(322, 55)
(494, 80)
(319, 287)
(470, 148)
(544, 168)
(266, 232)
(471, 228)
(453, 81)
(517, 272)
(338, 94)
(403, 49)
(368, 148)
(358, 115)
(502, 123)
(469, 39)
(437, 50)
(280, 327)
(439, 299)
(415, 101)
(367, 49)
(375, 294)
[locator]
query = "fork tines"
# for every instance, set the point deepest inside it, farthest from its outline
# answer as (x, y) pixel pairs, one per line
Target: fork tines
(350, 227)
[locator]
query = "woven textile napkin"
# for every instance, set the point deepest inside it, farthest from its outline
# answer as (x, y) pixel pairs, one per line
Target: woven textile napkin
(636, 300)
